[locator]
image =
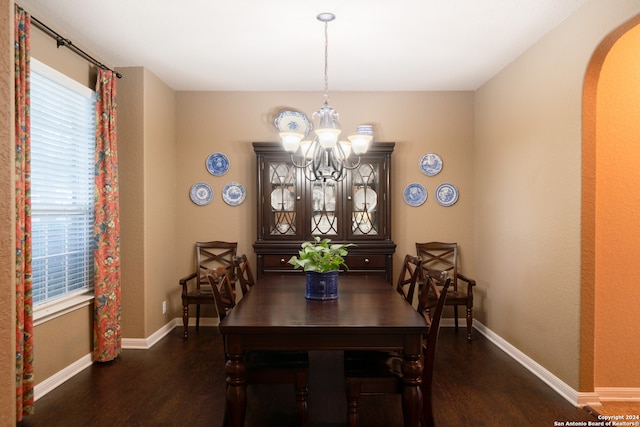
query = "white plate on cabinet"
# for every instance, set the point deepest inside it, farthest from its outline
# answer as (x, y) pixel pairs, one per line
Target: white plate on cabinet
(293, 121)
(282, 199)
(365, 199)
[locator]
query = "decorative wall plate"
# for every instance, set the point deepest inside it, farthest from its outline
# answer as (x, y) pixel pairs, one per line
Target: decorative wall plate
(414, 194)
(201, 193)
(430, 164)
(446, 194)
(293, 121)
(233, 194)
(217, 164)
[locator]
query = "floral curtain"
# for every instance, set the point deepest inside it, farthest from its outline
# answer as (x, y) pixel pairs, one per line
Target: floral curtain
(24, 303)
(106, 329)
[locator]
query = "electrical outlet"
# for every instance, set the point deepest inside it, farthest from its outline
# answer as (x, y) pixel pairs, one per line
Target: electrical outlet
(164, 307)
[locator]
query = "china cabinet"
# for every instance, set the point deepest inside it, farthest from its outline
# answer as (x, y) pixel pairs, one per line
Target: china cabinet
(293, 209)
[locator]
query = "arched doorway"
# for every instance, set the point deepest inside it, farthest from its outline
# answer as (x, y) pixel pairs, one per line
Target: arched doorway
(611, 215)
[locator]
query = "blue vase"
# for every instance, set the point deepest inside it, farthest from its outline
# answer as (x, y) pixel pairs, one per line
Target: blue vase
(322, 286)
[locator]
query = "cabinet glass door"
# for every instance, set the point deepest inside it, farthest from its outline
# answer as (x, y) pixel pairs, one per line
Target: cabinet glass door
(364, 195)
(282, 197)
(324, 217)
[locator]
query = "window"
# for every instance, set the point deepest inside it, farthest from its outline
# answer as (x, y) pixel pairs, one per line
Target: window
(62, 169)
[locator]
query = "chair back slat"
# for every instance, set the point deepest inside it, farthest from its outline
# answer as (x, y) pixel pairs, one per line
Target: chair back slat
(211, 256)
(441, 283)
(440, 256)
(243, 273)
(408, 277)
(221, 285)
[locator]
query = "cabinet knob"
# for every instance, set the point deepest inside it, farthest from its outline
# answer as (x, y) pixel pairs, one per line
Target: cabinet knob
(348, 197)
(366, 261)
(282, 261)
(297, 197)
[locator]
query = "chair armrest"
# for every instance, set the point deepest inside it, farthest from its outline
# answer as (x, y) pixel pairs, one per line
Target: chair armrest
(470, 282)
(184, 280)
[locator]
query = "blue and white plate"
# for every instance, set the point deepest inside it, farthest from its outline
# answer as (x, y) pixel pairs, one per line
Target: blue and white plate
(201, 193)
(446, 194)
(293, 121)
(430, 164)
(233, 194)
(217, 164)
(414, 194)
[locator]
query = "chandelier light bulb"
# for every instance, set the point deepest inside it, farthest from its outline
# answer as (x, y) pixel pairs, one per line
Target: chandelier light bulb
(360, 143)
(291, 140)
(343, 149)
(328, 137)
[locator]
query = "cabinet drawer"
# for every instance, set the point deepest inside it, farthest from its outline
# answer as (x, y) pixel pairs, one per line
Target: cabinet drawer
(279, 262)
(360, 262)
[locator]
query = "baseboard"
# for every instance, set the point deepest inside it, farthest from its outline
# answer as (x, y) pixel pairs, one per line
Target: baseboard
(61, 376)
(150, 341)
(618, 394)
(531, 365)
(147, 343)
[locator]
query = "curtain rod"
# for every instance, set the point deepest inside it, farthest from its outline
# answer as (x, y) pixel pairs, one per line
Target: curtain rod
(61, 41)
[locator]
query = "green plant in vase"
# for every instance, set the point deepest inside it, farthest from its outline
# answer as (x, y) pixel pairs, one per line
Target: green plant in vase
(321, 256)
(321, 260)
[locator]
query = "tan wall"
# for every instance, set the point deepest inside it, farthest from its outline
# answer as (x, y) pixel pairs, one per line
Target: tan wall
(160, 204)
(617, 218)
(147, 156)
(7, 224)
(131, 169)
(44, 49)
(62, 341)
(528, 178)
(421, 122)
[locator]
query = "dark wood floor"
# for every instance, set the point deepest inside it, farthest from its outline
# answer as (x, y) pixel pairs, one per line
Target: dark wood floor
(181, 383)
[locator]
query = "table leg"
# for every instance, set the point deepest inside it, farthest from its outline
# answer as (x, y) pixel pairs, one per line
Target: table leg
(411, 391)
(236, 371)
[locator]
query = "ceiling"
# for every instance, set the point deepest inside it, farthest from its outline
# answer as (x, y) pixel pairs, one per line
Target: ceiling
(278, 45)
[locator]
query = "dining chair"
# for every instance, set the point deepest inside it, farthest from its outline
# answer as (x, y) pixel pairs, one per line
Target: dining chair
(215, 256)
(408, 277)
(243, 273)
(378, 374)
(444, 256)
(267, 367)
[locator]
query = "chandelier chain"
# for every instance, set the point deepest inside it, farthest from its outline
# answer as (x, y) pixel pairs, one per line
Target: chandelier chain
(326, 60)
(324, 156)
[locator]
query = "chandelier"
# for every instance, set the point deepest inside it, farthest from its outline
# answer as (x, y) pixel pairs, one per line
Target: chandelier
(325, 156)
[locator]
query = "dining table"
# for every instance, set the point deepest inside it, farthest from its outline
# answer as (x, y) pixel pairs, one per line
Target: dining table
(367, 315)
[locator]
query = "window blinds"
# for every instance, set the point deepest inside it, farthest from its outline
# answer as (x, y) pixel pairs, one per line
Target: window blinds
(62, 171)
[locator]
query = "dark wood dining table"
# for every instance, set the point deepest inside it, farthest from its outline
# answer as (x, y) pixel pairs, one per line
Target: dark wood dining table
(368, 315)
